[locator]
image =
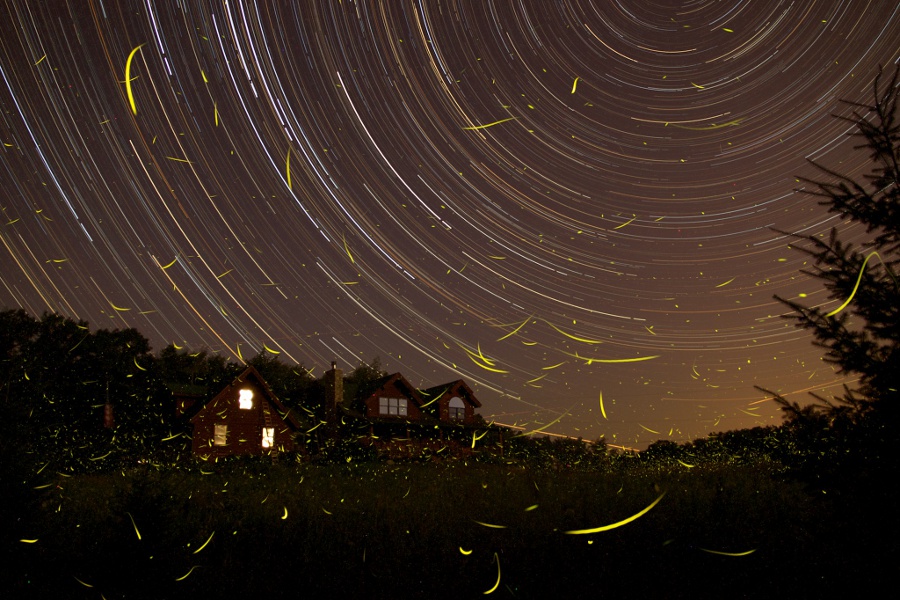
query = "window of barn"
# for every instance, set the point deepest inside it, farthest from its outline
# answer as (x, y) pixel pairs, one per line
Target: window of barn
(268, 437)
(220, 437)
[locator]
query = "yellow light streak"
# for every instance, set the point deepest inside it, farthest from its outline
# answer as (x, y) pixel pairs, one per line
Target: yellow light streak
(287, 168)
(720, 553)
(573, 337)
(539, 429)
(134, 525)
(618, 523)
(726, 283)
(185, 576)
(128, 79)
(624, 224)
(485, 126)
(856, 287)
(347, 250)
(208, 540)
(497, 584)
(516, 330)
(491, 525)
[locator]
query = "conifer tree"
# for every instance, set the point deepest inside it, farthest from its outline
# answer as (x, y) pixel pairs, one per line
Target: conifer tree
(860, 327)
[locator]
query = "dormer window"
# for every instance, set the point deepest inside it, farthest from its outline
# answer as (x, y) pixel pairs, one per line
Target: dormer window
(246, 399)
(457, 409)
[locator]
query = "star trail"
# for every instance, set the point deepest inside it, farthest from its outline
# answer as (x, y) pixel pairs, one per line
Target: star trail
(571, 205)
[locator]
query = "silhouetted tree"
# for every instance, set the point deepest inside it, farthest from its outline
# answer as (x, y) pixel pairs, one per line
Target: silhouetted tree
(861, 332)
(663, 452)
(845, 446)
(197, 372)
(363, 379)
(293, 384)
(17, 330)
(77, 400)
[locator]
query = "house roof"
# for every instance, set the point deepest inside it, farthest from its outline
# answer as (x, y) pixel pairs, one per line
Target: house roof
(454, 388)
(250, 374)
(399, 382)
(377, 389)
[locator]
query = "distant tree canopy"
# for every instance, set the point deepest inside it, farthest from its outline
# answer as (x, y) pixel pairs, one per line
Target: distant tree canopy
(194, 372)
(75, 398)
(362, 381)
(291, 383)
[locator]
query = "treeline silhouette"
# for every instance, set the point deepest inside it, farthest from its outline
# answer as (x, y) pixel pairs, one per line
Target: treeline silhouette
(82, 401)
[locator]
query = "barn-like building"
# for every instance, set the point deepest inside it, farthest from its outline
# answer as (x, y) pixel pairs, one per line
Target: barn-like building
(244, 418)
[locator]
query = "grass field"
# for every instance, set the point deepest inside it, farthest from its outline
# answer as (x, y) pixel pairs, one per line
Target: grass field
(253, 529)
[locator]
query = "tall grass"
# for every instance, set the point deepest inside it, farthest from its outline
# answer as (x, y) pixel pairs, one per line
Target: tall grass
(420, 530)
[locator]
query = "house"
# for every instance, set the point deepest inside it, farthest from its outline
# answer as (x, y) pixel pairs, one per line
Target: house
(393, 399)
(396, 418)
(244, 418)
(454, 402)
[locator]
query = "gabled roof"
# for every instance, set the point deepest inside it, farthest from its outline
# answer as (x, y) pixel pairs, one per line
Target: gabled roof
(250, 374)
(400, 382)
(357, 408)
(454, 388)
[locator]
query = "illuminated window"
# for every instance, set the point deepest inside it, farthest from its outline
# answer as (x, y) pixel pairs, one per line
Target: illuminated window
(221, 435)
(392, 406)
(457, 409)
(246, 399)
(268, 437)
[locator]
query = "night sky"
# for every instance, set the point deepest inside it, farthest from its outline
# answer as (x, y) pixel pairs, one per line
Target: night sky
(519, 194)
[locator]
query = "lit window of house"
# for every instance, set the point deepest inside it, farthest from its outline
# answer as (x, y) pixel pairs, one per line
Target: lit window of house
(392, 406)
(268, 437)
(246, 399)
(220, 437)
(457, 409)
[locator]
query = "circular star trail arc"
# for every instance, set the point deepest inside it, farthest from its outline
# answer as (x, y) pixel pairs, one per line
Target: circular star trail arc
(537, 197)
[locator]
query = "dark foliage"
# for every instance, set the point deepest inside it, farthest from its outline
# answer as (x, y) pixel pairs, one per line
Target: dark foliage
(77, 400)
(844, 446)
(292, 384)
(194, 372)
(861, 334)
(363, 380)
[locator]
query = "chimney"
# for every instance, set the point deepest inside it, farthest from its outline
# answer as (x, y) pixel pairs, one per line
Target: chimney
(334, 394)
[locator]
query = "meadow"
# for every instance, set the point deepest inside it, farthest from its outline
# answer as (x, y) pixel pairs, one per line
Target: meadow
(458, 528)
